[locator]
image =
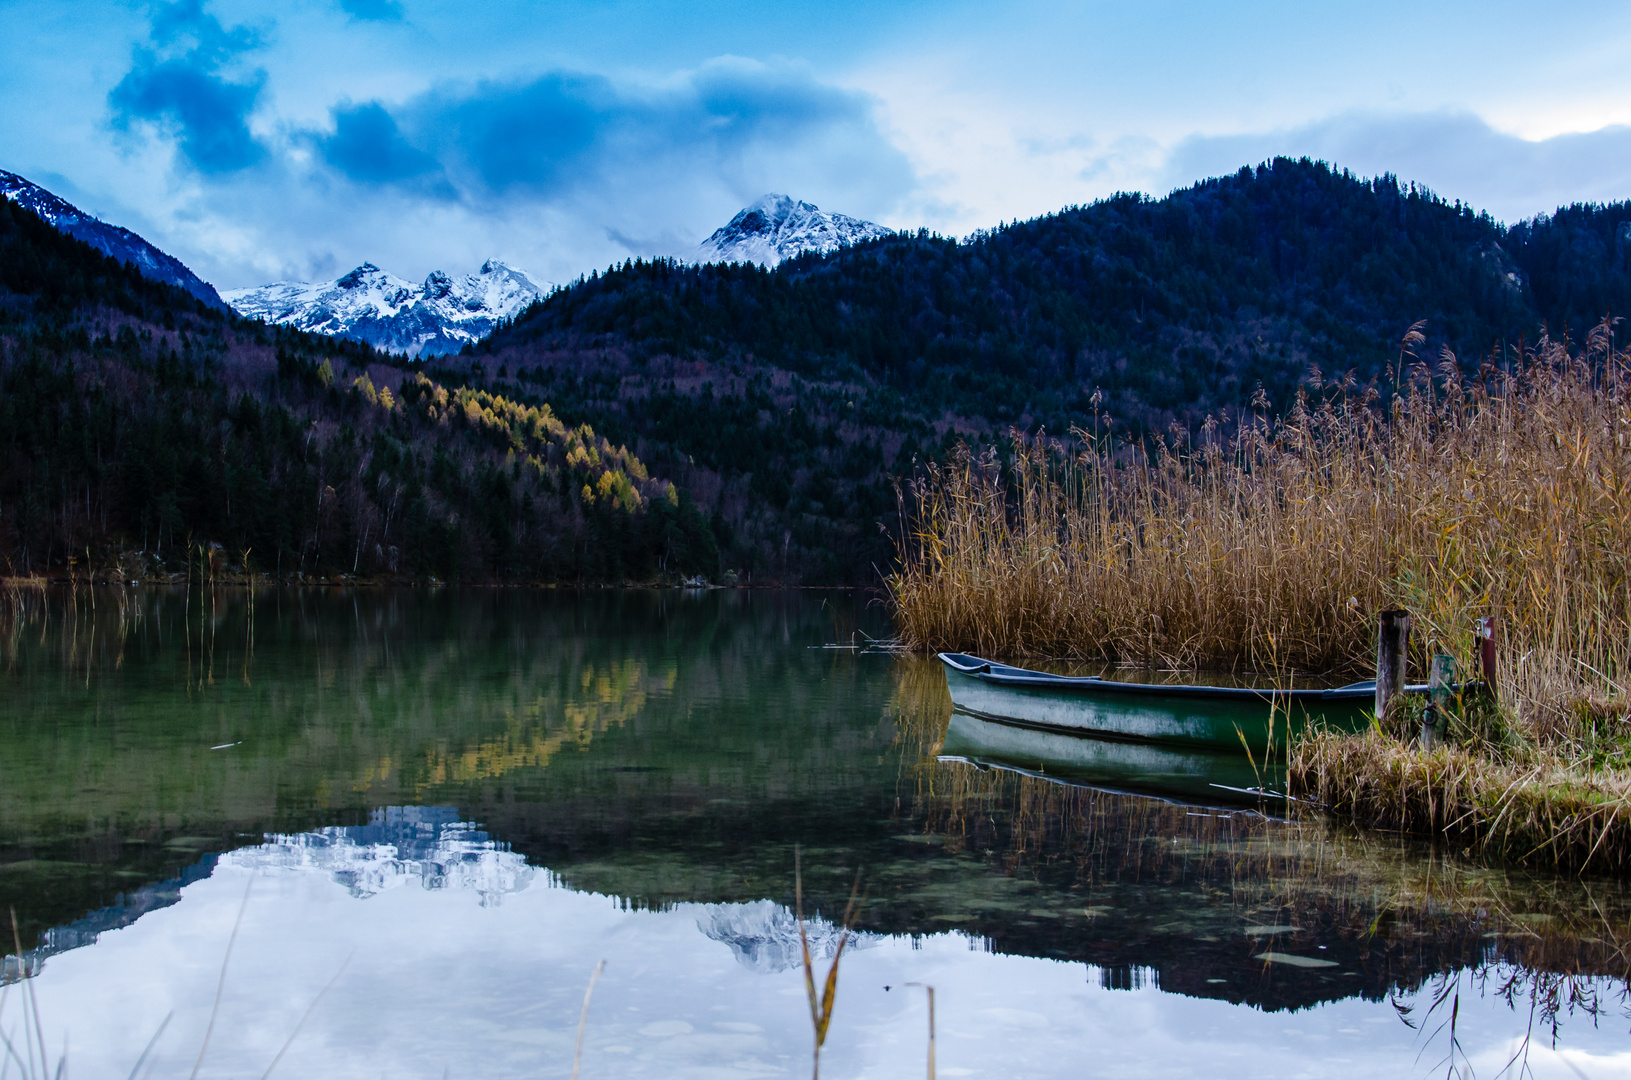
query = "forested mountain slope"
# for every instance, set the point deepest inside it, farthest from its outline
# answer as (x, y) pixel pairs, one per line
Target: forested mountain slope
(137, 423)
(784, 397)
(781, 403)
(120, 243)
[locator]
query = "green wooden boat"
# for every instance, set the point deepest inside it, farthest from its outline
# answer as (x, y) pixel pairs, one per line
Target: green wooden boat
(1182, 715)
(1192, 775)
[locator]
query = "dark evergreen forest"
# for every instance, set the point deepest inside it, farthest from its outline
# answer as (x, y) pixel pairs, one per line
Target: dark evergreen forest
(1170, 307)
(141, 431)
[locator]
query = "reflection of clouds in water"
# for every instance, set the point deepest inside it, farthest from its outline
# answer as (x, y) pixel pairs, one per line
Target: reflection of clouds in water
(427, 844)
(765, 936)
(434, 984)
(86, 930)
(400, 844)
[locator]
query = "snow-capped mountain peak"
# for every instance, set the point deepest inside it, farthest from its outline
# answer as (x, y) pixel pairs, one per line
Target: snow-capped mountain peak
(368, 304)
(778, 227)
(120, 243)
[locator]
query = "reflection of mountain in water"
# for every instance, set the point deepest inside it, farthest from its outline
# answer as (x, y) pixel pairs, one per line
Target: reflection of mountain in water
(765, 936)
(429, 845)
(125, 910)
(400, 844)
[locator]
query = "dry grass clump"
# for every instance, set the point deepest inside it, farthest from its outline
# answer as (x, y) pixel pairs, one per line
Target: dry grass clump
(1180, 556)
(1506, 492)
(1537, 806)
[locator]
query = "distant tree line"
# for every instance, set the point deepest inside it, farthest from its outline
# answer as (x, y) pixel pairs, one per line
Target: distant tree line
(1171, 308)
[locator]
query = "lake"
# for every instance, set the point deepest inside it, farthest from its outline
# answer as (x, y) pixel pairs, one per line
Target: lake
(392, 833)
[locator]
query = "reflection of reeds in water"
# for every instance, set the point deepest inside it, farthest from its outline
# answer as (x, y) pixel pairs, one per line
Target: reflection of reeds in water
(91, 623)
(1303, 868)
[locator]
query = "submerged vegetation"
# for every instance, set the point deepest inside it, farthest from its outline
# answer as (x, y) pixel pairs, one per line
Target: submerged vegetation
(1505, 490)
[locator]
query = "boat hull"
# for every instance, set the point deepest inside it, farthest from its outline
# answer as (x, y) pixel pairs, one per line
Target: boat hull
(1191, 775)
(1214, 717)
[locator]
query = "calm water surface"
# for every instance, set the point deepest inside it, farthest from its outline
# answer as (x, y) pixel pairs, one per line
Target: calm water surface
(430, 814)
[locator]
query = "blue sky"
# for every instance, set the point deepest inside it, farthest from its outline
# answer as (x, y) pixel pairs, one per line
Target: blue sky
(259, 141)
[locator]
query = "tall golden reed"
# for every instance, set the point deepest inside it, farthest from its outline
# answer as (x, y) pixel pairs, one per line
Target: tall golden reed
(1505, 492)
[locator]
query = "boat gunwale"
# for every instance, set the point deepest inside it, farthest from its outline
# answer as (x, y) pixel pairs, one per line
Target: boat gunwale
(995, 673)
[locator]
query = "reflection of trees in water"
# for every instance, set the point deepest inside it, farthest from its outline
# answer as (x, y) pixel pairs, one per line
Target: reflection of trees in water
(608, 696)
(1543, 998)
(329, 694)
(339, 701)
(528, 708)
(1412, 914)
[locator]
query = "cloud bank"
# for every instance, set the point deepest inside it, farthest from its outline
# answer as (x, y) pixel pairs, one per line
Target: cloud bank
(181, 87)
(558, 170)
(731, 122)
(296, 141)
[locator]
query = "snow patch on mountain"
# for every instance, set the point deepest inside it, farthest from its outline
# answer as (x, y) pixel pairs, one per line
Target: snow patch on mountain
(778, 227)
(440, 315)
(120, 243)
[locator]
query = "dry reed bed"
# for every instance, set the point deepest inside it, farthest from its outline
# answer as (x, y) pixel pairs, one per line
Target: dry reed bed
(1534, 806)
(1505, 492)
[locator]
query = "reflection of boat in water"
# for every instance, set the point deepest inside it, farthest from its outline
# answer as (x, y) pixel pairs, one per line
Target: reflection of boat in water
(1179, 774)
(1206, 716)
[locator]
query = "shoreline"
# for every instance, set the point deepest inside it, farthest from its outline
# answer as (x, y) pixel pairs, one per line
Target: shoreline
(238, 581)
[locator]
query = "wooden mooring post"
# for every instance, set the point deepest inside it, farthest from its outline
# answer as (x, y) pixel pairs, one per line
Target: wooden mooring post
(1392, 644)
(1486, 653)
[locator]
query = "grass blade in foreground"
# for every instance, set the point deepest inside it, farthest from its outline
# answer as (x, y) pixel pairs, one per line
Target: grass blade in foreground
(820, 1010)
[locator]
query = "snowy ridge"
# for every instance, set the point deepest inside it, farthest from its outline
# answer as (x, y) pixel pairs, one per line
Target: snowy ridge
(439, 316)
(776, 228)
(122, 244)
